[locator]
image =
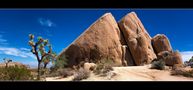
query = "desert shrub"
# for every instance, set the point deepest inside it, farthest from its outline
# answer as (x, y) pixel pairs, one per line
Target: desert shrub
(58, 68)
(44, 72)
(60, 63)
(186, 63)
(33, 72)
(103, 67)
(15, 73)
(64, 72)
(81, 74)
(160, 65)
(182, 72)
(189, 63)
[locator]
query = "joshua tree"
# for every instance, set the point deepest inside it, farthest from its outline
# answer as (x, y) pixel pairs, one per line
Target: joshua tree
(39, 50)
(7, 60)
(49, 58)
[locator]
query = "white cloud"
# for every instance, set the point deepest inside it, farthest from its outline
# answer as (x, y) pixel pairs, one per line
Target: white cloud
(25, 49)
(22, 52)
(46, 22)
(186, 55)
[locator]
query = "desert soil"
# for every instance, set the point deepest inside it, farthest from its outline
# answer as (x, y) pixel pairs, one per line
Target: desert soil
(131, 73)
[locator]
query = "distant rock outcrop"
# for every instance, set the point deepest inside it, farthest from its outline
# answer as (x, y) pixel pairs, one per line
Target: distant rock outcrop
(14, 64)
(126, 43)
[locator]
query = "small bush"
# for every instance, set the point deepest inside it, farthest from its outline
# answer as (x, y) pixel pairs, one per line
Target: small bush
(65, 72)
(182, 72)
(44, 72)
(62, 72)
(58, 69)
(33, 72)
(188, 63)
(98, 69)
(107, 69)
(160, 65)
(81, 74)
(60, 63)
(15, 73)
(104, 67)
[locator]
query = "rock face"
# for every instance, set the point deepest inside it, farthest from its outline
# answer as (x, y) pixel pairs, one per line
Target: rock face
(163, 54)
(101, 40)
(163, 49)
(161, 43)
(171, 58)
(175, 58)
(126, 43)
(137, 39)
(127, 59)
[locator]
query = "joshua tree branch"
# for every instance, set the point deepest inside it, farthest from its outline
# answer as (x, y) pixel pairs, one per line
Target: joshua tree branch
(44, 56)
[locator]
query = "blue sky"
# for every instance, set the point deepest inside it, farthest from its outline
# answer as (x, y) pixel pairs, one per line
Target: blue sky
(61, 27)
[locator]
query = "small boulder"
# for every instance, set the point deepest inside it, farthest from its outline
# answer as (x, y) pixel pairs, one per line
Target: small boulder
(89, 66)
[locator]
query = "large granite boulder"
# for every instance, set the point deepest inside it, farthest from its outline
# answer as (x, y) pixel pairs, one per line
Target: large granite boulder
(102, 39)
(137, 39)
(161, 43)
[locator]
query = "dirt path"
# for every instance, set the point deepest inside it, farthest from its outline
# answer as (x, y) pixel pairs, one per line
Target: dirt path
(132, 73)
(143, 73)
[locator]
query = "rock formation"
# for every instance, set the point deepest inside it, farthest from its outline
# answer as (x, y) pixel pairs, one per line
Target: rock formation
(161, 43)
(127, 43)
(163, 50)
(174, 59)
(14, 64)
(137, 39)
(101, 40)
(171, 58)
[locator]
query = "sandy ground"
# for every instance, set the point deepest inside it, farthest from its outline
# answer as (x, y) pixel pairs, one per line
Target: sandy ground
(132, 73)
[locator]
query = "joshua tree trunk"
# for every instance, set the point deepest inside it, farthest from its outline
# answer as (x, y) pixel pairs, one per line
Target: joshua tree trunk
(38, 76)
(6, 65)
(45, 65)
